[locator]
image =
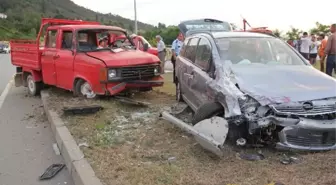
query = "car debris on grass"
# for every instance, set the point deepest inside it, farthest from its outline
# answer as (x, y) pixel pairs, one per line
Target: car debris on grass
(131, 145)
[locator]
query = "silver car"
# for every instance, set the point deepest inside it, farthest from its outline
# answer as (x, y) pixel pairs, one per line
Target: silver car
(268, 92)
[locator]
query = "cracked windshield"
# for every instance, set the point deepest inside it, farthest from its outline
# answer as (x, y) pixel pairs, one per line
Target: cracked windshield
(179, 92)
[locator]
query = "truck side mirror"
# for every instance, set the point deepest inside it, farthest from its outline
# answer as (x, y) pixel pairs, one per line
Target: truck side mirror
(145, 47)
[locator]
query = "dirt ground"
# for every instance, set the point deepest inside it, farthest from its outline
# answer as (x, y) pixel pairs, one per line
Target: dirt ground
(129, 145)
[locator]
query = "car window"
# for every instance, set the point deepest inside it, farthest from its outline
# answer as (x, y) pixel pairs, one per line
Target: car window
(66, 40)
(191, 49)
(184, 48)
(251, 50)
(203, 54)
(51, 39)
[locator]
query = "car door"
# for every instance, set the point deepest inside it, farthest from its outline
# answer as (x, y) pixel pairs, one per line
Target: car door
(48, 57)
(200, 73)
(64, 60)
(186, 71)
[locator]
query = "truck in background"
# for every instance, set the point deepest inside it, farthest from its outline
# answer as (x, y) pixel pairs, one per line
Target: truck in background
(66, 55)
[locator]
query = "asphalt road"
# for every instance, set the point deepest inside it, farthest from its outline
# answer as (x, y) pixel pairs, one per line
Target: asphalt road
(25, 137)
(7, 71)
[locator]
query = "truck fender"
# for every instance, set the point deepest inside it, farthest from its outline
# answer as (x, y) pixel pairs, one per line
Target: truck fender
(78, 77)
(37, 75)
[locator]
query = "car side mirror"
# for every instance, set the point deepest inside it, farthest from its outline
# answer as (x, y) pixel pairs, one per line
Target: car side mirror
(146, 47)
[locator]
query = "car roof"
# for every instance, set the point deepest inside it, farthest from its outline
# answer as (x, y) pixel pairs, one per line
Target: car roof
(227, 34)
(81, 27)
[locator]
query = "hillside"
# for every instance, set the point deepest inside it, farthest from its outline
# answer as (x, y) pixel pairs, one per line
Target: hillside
(24, 16)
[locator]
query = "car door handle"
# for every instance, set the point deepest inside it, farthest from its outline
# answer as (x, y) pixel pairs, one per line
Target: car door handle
(56, 56)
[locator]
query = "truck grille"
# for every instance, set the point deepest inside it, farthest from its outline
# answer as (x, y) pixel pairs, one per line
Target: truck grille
(138, 72)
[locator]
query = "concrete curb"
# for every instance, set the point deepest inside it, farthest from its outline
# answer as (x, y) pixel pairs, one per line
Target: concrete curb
(79, 168)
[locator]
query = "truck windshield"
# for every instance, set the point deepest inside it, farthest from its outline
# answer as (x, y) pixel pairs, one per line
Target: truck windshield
(261, 51)
(98, 40)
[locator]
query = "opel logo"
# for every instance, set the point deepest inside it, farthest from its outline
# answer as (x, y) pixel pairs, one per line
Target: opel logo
(307, 106)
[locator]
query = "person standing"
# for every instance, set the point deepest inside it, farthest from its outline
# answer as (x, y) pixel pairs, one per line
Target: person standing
(305, 44)
(176, 48)
(321, 50)
(161, 47)
(313, 50)
(330, 51)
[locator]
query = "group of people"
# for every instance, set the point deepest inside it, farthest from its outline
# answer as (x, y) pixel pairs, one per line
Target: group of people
(314, 46)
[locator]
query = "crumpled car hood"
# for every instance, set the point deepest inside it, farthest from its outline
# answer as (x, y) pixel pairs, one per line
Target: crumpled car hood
(281, 84)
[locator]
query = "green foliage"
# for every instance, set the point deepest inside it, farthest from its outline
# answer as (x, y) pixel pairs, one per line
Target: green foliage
(320, 28)
(277, 33)
(293, 33)
(24, 16)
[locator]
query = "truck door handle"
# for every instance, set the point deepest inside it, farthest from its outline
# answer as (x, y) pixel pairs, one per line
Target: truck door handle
(56, 56)
(43, 54)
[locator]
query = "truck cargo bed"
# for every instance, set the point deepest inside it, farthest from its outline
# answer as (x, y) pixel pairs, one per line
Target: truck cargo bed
(25, 53)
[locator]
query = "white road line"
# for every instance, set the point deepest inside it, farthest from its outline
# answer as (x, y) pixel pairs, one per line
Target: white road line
(5, 92)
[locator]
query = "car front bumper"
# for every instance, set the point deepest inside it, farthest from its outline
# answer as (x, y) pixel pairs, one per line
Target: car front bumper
(309, 134)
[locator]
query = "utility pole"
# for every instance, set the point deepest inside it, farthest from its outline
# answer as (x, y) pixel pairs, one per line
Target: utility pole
(135, 19)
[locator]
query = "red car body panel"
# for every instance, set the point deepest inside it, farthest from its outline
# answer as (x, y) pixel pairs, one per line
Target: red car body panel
(61, 67)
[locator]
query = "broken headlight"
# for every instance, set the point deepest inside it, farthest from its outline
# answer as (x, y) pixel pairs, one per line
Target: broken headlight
(248, 105)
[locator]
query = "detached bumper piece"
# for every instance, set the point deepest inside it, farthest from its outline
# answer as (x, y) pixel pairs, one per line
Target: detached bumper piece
(82, 109)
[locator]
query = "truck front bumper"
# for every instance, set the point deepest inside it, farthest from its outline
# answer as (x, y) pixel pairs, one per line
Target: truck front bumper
(115, 88)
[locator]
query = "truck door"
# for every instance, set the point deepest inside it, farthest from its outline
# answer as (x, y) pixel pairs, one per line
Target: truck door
(64, 60)
(48, 56)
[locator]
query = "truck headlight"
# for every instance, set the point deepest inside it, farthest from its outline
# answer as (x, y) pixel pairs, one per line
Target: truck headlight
(157, 70)
(112, 73)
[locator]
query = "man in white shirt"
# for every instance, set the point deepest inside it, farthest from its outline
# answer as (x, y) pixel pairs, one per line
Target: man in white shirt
(305, 45)
(161, 47)
(313, 49)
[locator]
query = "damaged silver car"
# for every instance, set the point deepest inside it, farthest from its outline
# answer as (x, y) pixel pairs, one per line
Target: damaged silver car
(264, 91)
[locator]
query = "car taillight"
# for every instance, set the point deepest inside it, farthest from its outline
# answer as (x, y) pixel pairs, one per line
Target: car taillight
(103, 74)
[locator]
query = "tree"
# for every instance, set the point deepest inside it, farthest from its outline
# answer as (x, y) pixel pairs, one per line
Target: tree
(277, 33)
(320, 28)
(161, 26)
(293, 34)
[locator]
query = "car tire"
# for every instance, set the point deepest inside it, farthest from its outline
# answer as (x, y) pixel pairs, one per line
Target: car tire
(178, 93)
(207, 111)
(34, 88)
(84, 89)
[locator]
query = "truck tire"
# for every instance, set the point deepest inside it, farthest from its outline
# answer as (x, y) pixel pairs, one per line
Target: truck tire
(34, 88)
(207, 111)
(84, 89)
(178, 93)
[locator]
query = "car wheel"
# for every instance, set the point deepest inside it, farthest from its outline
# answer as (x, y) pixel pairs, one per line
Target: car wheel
(207, 111)
(83, 88)
(178, 93)
(34, 88)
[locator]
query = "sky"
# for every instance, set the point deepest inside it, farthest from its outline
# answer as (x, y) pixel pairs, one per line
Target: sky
(278, 14)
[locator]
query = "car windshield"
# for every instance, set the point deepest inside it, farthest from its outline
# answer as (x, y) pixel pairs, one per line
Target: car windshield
(102, 39)
(264, 51)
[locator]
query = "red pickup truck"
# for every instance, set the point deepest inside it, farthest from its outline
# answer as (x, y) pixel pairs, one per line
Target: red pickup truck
(69, 57)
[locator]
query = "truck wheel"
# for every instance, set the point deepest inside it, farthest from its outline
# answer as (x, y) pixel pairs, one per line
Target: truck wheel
(207, 111)
(83, 88)
(178, 93)
(34, 88)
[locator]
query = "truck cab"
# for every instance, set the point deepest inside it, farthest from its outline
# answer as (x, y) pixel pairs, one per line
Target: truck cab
(70, 58)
